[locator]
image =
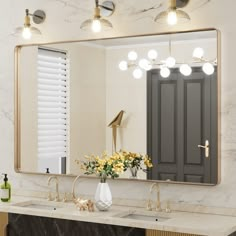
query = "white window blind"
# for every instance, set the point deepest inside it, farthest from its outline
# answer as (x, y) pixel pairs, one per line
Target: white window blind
(52, 106)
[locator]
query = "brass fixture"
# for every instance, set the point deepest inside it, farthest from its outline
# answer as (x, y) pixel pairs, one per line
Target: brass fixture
(206, 147)
(81, 204)
(73, 188)
(158, 201)
(167, 209)
(27, 30)
(65, 199)
(116, 122)
(172, 15)
(98, 23)
(57, 188)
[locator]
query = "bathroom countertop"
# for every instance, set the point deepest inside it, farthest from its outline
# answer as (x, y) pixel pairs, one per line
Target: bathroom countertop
(178, 221)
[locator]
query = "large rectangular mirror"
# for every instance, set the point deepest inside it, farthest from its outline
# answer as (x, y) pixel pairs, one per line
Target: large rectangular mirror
(68, 93)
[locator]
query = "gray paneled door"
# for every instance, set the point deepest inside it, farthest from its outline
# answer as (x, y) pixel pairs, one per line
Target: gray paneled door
(182, 114)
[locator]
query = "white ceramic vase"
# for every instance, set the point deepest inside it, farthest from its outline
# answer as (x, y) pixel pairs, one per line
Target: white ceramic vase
(103, 197)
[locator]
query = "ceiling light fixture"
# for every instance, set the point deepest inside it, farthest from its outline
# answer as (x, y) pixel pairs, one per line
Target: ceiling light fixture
(98, 23)
(141, 65)
(27, 30)
(172, 15)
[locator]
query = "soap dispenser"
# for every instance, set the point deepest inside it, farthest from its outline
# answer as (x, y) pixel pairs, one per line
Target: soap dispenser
(5, 191)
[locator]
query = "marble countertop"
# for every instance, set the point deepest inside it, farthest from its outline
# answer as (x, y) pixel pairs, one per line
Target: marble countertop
(178, 221)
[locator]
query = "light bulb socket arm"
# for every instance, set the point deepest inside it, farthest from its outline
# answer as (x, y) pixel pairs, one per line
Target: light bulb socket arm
(132, 64)
(106, 8)
(38, 16)
(27, 13)
(203, 60)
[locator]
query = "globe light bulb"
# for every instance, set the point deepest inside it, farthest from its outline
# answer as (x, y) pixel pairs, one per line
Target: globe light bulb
(170, 62)
(96, 26)
(185, 70)
(145, 64)
(198, 53)
(208, 68)
(172, 17)
(152, 54)
(165, 72)
(137, 73)
(132, 56)
(26, 33)
(123, 65)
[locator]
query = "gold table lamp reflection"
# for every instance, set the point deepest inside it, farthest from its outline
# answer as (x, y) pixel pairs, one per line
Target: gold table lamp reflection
(116, 122)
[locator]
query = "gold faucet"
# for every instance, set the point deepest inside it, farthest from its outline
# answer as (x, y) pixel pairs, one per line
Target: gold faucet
(73, 188)
(158, 202)
(57, 191)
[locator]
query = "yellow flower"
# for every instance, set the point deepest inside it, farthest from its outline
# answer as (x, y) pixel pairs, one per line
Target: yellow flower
(147, 162)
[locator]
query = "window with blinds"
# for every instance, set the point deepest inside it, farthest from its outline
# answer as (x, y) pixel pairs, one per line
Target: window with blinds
(52, 110)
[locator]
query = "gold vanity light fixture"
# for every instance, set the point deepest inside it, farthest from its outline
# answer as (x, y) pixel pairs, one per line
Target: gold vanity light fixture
(27, 30)
(172, 15)
(98, 23)
(144, 64)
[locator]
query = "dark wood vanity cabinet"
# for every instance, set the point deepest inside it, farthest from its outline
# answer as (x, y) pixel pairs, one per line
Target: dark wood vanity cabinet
(25, 225)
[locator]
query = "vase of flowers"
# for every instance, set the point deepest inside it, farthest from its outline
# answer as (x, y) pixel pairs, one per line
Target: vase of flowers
(104, 166)
(112, 166)
(135, 162)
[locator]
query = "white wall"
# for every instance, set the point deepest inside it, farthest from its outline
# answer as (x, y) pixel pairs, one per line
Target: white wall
(219, 14)
(87, 103)
(28, 104)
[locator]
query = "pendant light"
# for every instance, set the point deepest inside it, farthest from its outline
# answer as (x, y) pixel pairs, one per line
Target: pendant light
(172, 15)
(27, 30)
(98, 23)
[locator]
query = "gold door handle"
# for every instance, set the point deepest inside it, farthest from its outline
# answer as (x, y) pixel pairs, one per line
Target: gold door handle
(206, 147)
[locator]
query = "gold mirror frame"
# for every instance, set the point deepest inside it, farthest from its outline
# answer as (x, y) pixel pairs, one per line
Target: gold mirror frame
(17, 107)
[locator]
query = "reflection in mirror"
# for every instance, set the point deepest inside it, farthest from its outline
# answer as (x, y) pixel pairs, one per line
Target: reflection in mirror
(167, 86)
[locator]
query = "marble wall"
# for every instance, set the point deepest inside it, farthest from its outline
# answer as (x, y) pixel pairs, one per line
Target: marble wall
(62, 23)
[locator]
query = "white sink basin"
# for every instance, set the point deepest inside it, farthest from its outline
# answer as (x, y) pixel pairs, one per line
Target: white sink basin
(50, 206)
(136, 216)
(144, 216)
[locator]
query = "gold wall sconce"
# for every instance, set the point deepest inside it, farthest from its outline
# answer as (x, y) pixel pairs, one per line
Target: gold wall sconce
(27, 30)
(98, 23)
(173, 15)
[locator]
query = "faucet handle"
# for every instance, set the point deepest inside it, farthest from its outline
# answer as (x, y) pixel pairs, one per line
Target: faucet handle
(57, 198)
(158, 207)
(149, 205)
(65, 197)
(168, 210)
(49, 198)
